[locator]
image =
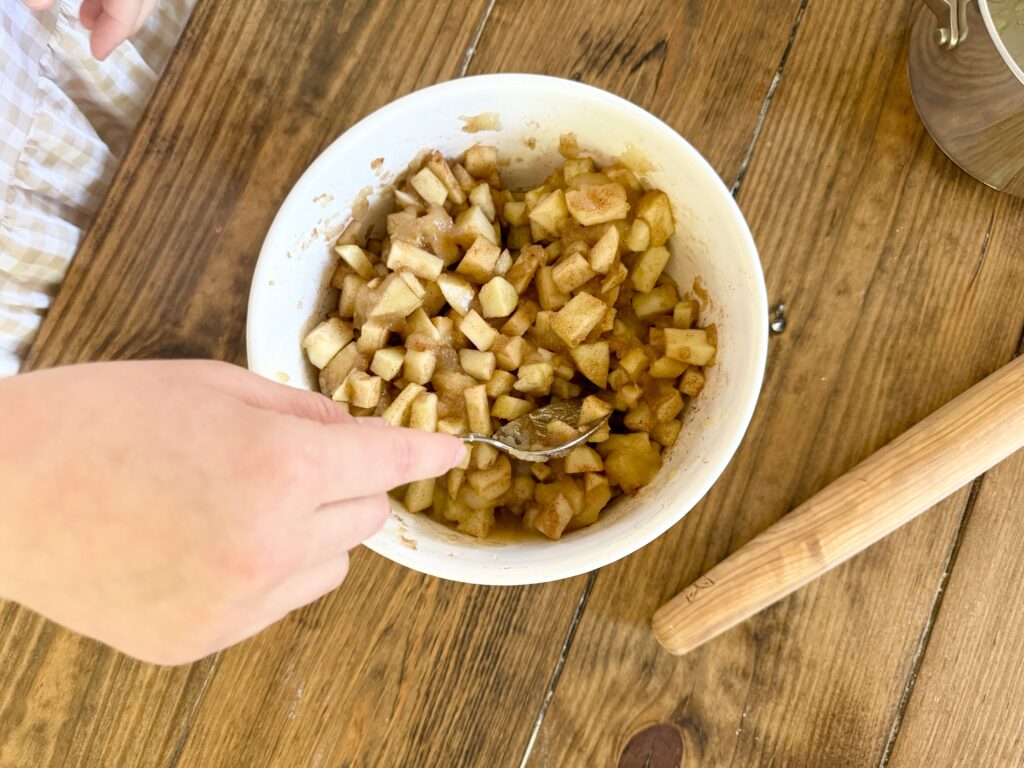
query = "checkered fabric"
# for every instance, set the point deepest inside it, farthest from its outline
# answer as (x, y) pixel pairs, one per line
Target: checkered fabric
(65, 119)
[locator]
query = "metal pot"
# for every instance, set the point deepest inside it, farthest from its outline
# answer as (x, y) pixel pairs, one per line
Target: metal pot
(968, 88)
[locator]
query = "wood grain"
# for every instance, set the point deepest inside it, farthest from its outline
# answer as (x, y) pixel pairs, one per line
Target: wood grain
(903, 284)
(966, 704)
(936, 457)
(851, 205)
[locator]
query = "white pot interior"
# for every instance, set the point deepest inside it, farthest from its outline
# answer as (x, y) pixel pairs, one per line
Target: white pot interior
(712, 243)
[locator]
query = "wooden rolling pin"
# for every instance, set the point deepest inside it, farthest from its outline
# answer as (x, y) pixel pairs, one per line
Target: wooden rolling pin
(915, 471)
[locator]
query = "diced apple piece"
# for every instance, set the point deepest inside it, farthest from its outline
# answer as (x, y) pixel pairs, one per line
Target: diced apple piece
(407, 257)
(521, 319)
(400, 221)
(593, 409)
(666, 368)
(466, 181)
(515, 214)
(335, 372)
(692, 382)
(429, 187)
(372, 337)
(471, 224)
(503, 264)
(535, 378)
(602, 255)
(387, 362)
(582, 459)
(588, 179)
(409, 200)
(498, 298)
(518, 237)
(509, 351)
(397, 300)
(327, 340)
(625, 177)
(684, 315)
(655, 209)
(577, 165)
(572, 272)
(574, 322)
(660, 300)
(634, 362)
(630, 441)
(478, 523)
(481, 161)
(423, 412)
(419, 365)
(433, 298)
(540, 471)
(666, 405)
(531, 258)
(457, 292)
(666, 434)
(632, 469)
(478, 331)
(614, 278)
(479, 365)
(397, 414)
(478, 410)
(452, 383)
(453, 425)
(689, 346)
(564, 389)
(521, 492)
(551, 297)
(500, 383)
(592, 360)
(477, 265)
(358, 259)
(597, 204)
(640, 418)
(554, 517)
(597, 494)
(480, 196)
(550, 213)
(494, 482)
(648, 268)
(484, 456)
(420, 326)
(507, 407)
(349, 290)
(419, 494)
(442, 171)
(638, 239)
(363, 390)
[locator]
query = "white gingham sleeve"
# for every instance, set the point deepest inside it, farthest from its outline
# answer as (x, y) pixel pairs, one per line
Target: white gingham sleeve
(65, 120)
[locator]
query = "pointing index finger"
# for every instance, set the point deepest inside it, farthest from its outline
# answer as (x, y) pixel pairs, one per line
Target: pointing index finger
(365, 460)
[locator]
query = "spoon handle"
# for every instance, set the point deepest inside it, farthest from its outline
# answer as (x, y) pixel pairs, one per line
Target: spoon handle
(918, 469)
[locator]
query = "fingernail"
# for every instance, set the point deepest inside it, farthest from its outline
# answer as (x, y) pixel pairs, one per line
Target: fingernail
(460, 456)
(371, 421)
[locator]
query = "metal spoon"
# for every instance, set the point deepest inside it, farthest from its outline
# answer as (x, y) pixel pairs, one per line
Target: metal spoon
(524, 438)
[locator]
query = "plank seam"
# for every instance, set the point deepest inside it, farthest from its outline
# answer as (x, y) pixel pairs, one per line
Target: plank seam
(769, 96)
(929, 626)
(549, 694)
(471, 51)
(983, 252)
(179, 746)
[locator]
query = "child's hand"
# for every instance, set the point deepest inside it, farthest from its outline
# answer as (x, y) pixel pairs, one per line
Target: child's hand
(173, 508)
(110, 22)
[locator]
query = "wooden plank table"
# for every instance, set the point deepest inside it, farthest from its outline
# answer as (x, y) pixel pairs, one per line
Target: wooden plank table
(904, 284)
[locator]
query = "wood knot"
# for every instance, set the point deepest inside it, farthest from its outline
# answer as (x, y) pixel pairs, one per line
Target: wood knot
(656, 746)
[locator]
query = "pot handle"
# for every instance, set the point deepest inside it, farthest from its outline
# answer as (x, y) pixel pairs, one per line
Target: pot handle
(952, 18)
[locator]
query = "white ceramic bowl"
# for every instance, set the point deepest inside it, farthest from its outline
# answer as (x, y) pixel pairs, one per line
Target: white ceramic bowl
(712, 242)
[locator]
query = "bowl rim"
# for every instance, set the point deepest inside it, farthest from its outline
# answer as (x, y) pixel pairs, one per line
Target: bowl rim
(452, 568)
